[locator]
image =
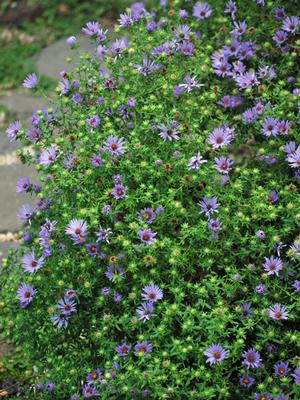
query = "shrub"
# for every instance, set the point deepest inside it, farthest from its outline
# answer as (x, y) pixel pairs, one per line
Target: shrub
(160, 260)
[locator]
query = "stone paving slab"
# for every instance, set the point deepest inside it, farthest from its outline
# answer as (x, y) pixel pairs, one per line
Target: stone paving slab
(22, 104)
(52, 59)
(5, 247)
(10, 200)
(5, 145)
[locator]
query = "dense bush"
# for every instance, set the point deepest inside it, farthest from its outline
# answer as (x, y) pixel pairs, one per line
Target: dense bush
(160, 260)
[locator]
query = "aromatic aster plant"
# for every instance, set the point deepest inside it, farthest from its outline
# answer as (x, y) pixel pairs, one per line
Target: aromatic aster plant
(160, 260)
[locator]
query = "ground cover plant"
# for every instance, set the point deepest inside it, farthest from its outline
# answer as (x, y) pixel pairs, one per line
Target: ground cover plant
(160, 260)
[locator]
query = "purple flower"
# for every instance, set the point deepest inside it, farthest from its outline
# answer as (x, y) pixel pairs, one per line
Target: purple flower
(13, 130)
(25, 212)
(283, 127)
(118, 46)
(49, 386)
(183, 14)
(31, 81)
(147, 236)
(247, 310)
(240, 28)
(77, 229)
(75, 397)
(296, 285)
(279, 13)
(272, 265)
(123, 350)
(260, 289)
(152, 293)
(31, 263)
(196, 161)
(280, 37)
(23, 185)
(246, 380)
(109, 84)
(202, 11)
(103, 234)
(214, 225)
(97, 161)
(34, 134)
(25, 293)
(281, 369)
(71, 41)
(208, 205)
(182, 33)
(94, 376)
(114, 145)
(260, 234)
(293, 158)
(281, 397)
(89, 391)
(273, 196)
(147, 215)
(60, 320)
(147, 67)
(119, 192)
(251, 358)
(278, 312)
(105, 291)
(168, 133)
(47, 157)
(215, 353)
(126, 20)
(296, 376)
(117, 297)
(91, 29)
(249, 115)
(66, 306)
(187, 49)
(270, 126)
(223, 164)
(64, 86)
(92, 249)
(246, 80)
(231, 8)
(145, 310)
(189, 84)
(262, 396)
(142, 348)
(221, 137)
(114, 273)
(70, 294)
(290, 24)
(93, 122)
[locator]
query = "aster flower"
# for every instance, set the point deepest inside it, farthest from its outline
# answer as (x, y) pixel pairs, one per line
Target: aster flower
(145, 310)
(92, 249)
(296, 376)
(152, 293)
(25, 293)
(94, 376)
(48, 156)
(260, 289)
(187, 49)
(114, 273)
(119, 192)
(290, 24)
(223, 164)
(93, 122)
(142, 348)
(49, 386)
(114, 145)
(31, 263)
(260, 234)
(126, 20)
(66, 306)
(117, 47)
(270, 126)
(97, 161)
(25, 212)
(71, 41)
(123, 349)
(64, 86)
(262, 396)
(280, 37)
(31, 81)
(246, 80)
(293, 158)
(283, 127)
(214, 225)
(77, 229)
(147, 236)
(89, 391)
(296, 286)
(23, 184)
(221, 137)
(281, 368)
(279, 13)
(216, 353)
(182, 33)
(231, 8)
(249, 116)
(168, 133)
(34, 134)
(273, 196)
(196, 161)
(272, 265)
(147, 215)
(240, 28)
(246, 380)
(251, 358)
(247, 310)
(202, 11)
(70, 294)
(60, 320)
(91, 29)
(13, 130)
(109, 84)
(209, 206)
(278, 312)
(147, 68)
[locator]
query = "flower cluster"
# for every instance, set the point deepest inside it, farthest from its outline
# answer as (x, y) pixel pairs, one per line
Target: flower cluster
(168, 204)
